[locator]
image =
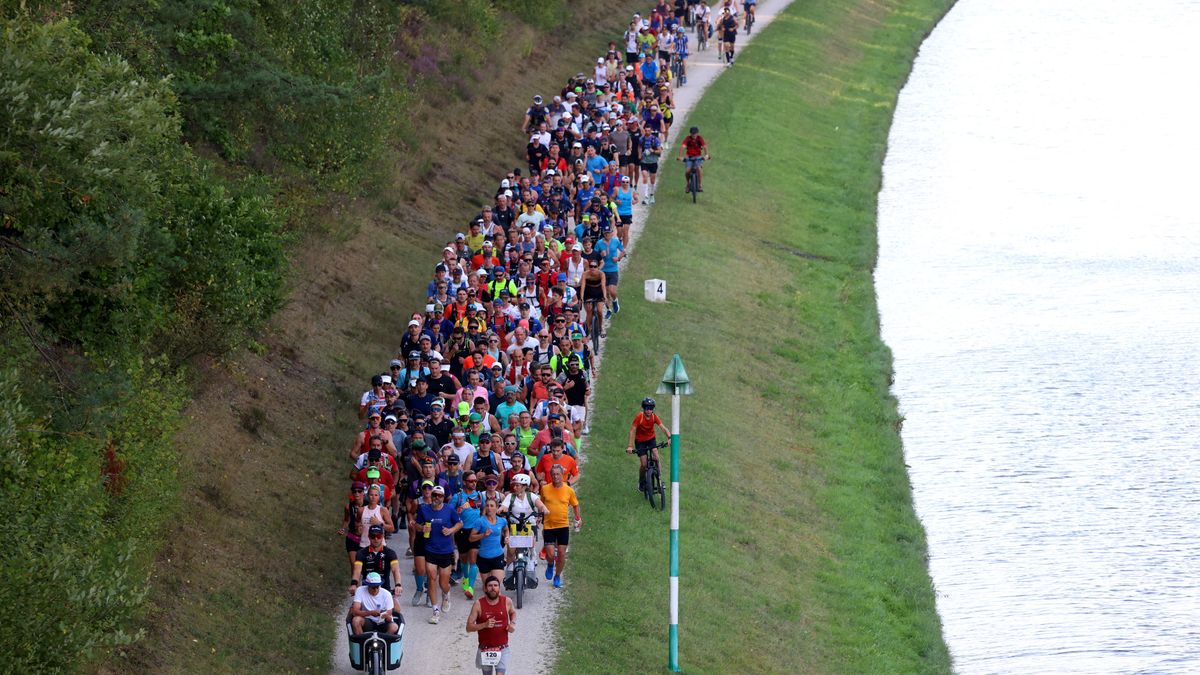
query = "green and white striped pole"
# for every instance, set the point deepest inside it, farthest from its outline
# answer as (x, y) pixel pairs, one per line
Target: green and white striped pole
(675, 382)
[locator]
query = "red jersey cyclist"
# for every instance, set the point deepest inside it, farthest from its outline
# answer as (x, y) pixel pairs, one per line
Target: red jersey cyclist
(642, 437)
(692, 152)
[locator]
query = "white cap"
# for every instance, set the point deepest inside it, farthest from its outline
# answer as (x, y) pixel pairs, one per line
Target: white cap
(414, 322)
(508, 193)
(504, 183)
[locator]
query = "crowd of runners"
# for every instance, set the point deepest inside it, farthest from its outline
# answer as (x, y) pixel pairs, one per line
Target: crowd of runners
(475, 426)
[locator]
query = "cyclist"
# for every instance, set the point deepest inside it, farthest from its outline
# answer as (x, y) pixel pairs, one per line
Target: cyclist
(748, 6)
(595, 291)
(642, 437)
(692, 152)
(559, 498)
(493, 617)
(728, 26)
(681, 52)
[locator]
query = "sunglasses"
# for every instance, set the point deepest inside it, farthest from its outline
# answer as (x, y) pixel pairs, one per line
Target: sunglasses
(427, 487)
(511, 444)
(470, 482)
(358, 491)
(377, 536)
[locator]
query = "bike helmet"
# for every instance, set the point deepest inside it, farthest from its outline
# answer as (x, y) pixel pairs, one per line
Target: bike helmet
(694, 130)
(521, 479)
(648, 403)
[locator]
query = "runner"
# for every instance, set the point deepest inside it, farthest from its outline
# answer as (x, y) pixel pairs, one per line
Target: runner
(728, 27)
(439, 523)
(493, 617)
(559, 498)
(490, 532)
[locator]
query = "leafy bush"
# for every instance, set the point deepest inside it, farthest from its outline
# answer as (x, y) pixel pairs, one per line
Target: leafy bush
(114, 234)
(74, 552)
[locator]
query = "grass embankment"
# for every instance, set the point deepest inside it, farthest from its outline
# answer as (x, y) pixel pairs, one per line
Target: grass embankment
(264, 445)
(800, 547)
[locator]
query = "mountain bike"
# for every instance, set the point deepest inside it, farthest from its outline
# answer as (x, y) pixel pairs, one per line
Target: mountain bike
(678, 73)
(521, 577)
(652, 487)
(597, 324)
(693, 180)
(701, 35)
(749, 20)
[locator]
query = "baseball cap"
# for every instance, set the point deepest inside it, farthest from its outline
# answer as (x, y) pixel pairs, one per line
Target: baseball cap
(397, 363)
(476, 417)
(375, 529)
(439, 490)
(437, 403)
(460, 236)
(562, 276)
(452, 459)
(374, 454)
(464, 408)
(372, 473)
(511, 389)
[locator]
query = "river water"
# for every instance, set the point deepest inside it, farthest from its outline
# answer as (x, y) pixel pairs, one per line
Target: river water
(1038, 281)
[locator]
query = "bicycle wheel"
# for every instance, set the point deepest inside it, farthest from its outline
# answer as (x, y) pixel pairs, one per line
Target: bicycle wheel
(597, 323)
(657, 491)
(692, 185)
(375, 666)
(519, 575)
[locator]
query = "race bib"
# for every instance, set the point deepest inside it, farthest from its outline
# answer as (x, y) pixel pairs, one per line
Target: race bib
(490, 657)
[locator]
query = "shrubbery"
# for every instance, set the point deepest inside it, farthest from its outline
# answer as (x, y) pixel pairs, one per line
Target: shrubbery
(121, 255)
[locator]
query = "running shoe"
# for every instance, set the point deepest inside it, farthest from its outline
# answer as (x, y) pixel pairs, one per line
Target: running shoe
(408, 553)
(437, 616)
(549, 572)
(417, 598)
(446, 604)
(557, 581)
(608, 314)
(616, 306)
(542, 554)
(467, 591)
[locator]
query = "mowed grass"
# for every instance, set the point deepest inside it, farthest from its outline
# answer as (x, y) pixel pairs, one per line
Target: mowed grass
(800, 547)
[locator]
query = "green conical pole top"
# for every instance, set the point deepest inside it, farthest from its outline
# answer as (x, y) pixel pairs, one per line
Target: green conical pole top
(675, 380)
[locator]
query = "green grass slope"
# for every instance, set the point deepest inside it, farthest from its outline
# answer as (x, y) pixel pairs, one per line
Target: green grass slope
(800, 547)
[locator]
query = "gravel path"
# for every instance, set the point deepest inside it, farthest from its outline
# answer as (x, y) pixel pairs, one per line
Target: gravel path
(447, 647)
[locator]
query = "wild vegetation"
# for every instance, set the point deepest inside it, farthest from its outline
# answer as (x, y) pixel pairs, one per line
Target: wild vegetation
(159, 163)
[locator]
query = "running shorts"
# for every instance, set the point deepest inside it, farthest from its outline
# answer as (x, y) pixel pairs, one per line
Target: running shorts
(560, 536)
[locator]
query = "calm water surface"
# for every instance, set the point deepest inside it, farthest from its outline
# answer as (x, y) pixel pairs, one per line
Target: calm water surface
(1039, 276)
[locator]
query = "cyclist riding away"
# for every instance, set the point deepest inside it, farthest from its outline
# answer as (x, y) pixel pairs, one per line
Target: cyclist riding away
(692, 153)
(643, 437)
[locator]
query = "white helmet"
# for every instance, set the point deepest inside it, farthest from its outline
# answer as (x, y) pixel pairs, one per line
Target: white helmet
(521, 479)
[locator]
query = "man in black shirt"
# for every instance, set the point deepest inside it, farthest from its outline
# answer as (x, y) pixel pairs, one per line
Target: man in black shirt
(439, 426)
(380, 559)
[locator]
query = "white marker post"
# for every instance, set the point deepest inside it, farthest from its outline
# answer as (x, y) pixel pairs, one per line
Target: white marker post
(674, 382)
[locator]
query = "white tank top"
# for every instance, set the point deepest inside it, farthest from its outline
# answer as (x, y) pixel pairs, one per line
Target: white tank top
(367, 514)
(575, 272)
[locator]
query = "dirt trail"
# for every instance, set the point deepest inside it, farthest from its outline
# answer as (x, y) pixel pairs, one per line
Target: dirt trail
(447, 647)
